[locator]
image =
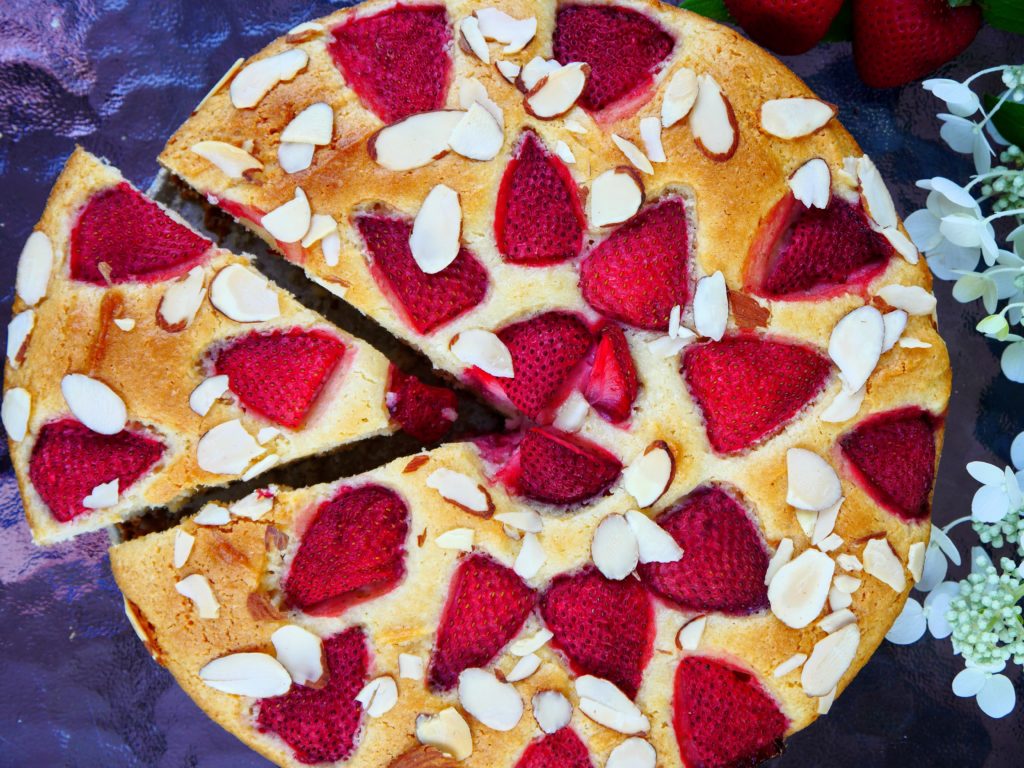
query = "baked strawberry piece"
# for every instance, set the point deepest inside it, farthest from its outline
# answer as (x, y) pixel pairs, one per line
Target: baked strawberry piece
(641, 270)
(424, 412)
(546, 350)
(397, 61)
(612, 386)
(121, 236)
(561, 749)
(321, 724)
(605, 628)
(69, 460)
(892, 456)
(723, 716)
(801, 252)
(538, 219)
(724, 557)
(426, 302)
(748, 387)
(486, 607)
(623, 47)
(555, 467)
(279, 374)
(352, 550)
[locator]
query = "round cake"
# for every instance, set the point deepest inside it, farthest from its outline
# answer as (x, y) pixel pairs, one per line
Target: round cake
(650, 245)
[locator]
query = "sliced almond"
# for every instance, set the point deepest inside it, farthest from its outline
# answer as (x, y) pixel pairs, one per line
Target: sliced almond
(181, 301)
(572, 125)
(295, 157)
(654, 543)
(911, 342)
(258, 78)
(791, 664)
(650, 135)
(614, 548)
(126, 324)
(876, 195)
(902, 244)
(572, 413)
(798, 591)
(447, 732)
(633, 753)
(472, 40)
(915, 560)
(207, 393)
(534, 71)
(649, 475)
(564, 153)
(846, 583)
(894, 323)
(508, 69)
(523, 668)
(257, 675)
(633, 153)
(304, 32)
(255, 505)
(227, 449)
(331, 247)
(410, 667)
(782, 555)
(499, 26)
(837, 620)
(477, 136)
(838, 600)
(94, 404)
(34, 266)
(551, 710)
(912, 299)
(494, 703)
(414, 141)
(379, 696)
(680, 96)
(525, 520)
(796, 117)
(711, 306)
(14, 413)
(829, 661)
(436, 232)
(615, 196)
(665, 346)
(244, 295)
(713, 122)
(849, 562)
(261, 466)
(825, 702)
(213, 515)
(831, 542)
(844, 406)
(460, 539)
(183, 543)
(530, 644)
(557, 93)
(472, 91)
(197, 589)
(825, 522)
(462, 491)
(531, 557)
(805, 520)
(237, 65)
(690, 634)
(606, 705)
(812, 483)
(484, 350)
(18, 331)
(103, 496)
(313, 125)
(288, 223)
(230, 160)
(300, 652)
(856, 344)
(881, 562)
(811, 183)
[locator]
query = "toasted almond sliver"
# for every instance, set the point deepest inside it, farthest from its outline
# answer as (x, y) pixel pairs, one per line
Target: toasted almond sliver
(633, 753)
(206, 393)
(508, 69)
(876, 195)
(498, 25)
(295, 157)
(894, 324)
(460, 539)
(313, 125)
(183, 543)
(812, 483)
(447, 732)
(838, 600)
(320, 226)
(103, 496)
(713, 122)
(856, 344)
(690, 634)
(197, 589)
(534, 71)
(829, 661)
(484, 350)
(903, 245)
(912, 299)
(882, 563)
(494, 703)
(212, 514)
(650, 134)
(531, 557)
(825, 522)
(614, 548)
(796, 117)
(461, 490)
(654, 543)
(379, 696)
(244, 295)
(525, 520)
(18, 332)
(16, 408)
(680, 96)
(34, 266)
(258, 675)
(227, 449)
(648, 476)
(477, 136)
(798, 590)
(94, 404)
(473, 40)
(289, 222)
(414, 141)
(837, 620)
(811, 183)
(794, 662)
(782, 555)
(410, 667)
(257, 79)
(844, 405)
(615, 196)
(551, 710)
(230, 160)
(181, 301)
(436, 232)
(915, 559)
(300, 652)
(605, 704)
(711, 306)
(633, 153)
(523, 668)
(557, 93)
(572, 413)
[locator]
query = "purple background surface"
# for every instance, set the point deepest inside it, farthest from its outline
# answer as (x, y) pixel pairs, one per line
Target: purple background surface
(78, 689)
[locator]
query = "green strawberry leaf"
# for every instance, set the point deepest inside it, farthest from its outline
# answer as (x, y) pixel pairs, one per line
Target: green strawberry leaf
(841, 29)
(713, 9)
(1009, 120)
(1004, 14)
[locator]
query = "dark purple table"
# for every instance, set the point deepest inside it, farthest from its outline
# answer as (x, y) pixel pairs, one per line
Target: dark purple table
(78, 689)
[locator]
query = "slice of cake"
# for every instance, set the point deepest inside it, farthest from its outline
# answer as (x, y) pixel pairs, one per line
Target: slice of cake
(144, 363)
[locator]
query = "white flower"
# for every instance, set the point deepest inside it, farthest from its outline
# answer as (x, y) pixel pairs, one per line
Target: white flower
(948, 261)
(959, 98)
(967, 138)
(916, 618)
(972, 286)
(1017, 451)
(993, 691)
(941, 550)
(999, 494)
(1012, 362)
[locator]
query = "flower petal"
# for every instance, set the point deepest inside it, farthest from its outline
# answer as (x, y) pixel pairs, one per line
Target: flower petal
(969, 682)
(958, 133)
(982, 153)
(941, 539)
(962, 229)
(909, 626)
(1012, 362)
(985, 473)
(989, 505)
(959, 98)
(953, 192)
(924, 229)
(997, 698)
(935, 567)
(1017, 451)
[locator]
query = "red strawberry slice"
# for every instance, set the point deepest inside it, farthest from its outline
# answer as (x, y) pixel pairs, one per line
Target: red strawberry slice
(69, 460)
(425, 301)
(545, 350)
(321, 724)
(605, 628)
(128, 236)
(559, 468)
(892, 455)
(724, 560)
(397, 61)
(280, 374)
(422, 411)
(538, 218)
(561, 749)
(896, 41)
(353, 550)
(785, 26)
(612, 386)
(623, 47)
(486, 607)
(723, 716)
(749, 387)
(801, 252)
(641, 270)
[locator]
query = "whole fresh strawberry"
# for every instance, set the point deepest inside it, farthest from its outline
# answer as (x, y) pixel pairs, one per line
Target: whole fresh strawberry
(785, 26)
(896, 41)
